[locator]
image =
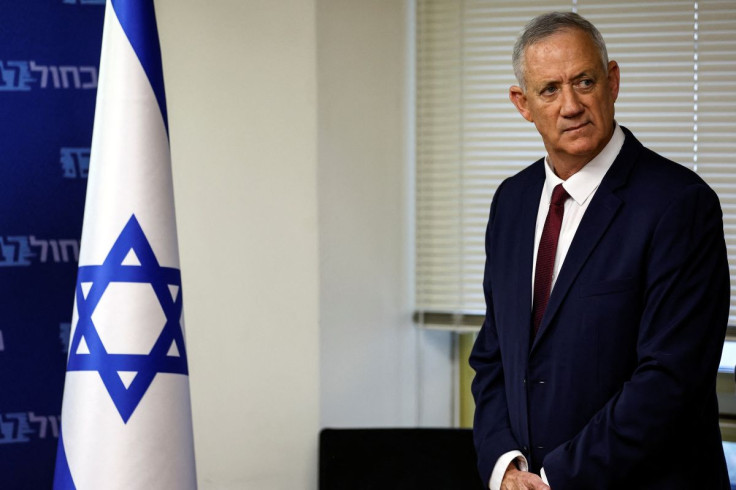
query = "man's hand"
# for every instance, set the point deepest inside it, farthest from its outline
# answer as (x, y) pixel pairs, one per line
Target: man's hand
(514, 479)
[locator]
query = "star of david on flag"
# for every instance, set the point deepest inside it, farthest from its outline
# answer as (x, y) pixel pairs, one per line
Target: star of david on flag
(126, 419)
(128, 375)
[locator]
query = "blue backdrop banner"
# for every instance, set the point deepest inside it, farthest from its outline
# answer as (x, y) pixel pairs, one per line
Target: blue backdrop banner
(48, 81)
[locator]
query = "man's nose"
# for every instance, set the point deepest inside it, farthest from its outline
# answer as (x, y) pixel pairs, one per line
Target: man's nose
(570, 102)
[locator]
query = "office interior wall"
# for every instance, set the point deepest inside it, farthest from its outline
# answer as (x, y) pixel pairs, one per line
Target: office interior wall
(241, 87)
(288, 130)
(377, 368)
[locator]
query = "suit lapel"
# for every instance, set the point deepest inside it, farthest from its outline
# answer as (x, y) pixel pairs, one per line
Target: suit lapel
(601, 211)
(598, 216)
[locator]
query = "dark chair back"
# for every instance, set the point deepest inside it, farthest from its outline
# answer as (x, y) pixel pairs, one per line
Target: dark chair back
(398, 459)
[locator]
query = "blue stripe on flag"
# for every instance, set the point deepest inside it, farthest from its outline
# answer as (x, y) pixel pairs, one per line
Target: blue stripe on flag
(138, 20)
(62, 476)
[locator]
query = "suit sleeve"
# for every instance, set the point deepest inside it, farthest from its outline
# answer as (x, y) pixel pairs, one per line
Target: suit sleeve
(491, 427)
(679, 343)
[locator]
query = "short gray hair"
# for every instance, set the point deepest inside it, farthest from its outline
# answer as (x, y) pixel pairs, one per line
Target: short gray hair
(545, 25)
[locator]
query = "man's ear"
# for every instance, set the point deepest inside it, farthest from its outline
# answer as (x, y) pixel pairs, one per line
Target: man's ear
(516, 94)
(614, 78)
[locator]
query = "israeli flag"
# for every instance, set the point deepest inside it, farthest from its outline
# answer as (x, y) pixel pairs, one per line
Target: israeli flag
(126, 416)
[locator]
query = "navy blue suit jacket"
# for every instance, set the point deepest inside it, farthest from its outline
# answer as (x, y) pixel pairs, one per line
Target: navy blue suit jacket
(617, 390)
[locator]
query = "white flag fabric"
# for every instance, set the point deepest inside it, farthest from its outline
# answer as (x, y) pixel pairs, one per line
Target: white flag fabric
(126, 415)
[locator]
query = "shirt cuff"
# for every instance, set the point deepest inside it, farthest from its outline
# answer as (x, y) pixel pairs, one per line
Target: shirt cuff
(499, 470)
(544, 477)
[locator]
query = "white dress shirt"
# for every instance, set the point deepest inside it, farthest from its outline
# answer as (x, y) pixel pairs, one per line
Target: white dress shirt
(581, 187)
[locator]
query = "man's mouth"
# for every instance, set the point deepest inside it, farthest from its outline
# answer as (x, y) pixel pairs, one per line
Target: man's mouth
(575, 128)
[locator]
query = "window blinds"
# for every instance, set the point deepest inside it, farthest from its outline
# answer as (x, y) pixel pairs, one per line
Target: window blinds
(678, 95)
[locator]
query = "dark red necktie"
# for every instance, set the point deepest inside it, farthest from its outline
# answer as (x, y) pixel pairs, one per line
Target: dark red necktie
(546, 254)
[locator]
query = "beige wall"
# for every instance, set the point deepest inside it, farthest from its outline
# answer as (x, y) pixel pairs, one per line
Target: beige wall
(367, 336)
(241, 87)
(288, 130)
(377, 368)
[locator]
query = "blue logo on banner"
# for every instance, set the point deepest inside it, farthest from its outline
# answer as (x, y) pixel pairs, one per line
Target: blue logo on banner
(20, 251)
(127, 376)
(65, 329)
(75, 162)
(15, 76)
(14, 428)
(16, 251)
(17, 427)
(21, 76)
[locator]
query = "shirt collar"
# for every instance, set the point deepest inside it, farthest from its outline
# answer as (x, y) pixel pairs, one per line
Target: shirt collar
(581, 185)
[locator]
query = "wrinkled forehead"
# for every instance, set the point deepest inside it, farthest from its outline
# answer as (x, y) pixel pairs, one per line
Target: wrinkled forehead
(568, 52)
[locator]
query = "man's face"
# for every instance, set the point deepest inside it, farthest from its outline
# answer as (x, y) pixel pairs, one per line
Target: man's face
(569, 97)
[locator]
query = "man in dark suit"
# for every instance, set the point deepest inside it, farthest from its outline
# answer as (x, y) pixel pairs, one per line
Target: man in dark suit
(607, 381)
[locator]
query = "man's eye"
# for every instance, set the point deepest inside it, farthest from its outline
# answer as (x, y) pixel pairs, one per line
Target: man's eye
(549, 90)
(586, 83)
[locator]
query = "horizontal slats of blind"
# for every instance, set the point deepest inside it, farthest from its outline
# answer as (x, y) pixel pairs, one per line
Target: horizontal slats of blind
(716, 109)
(484, 140)
(678, 95)
(653, 45)
(439, 189)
